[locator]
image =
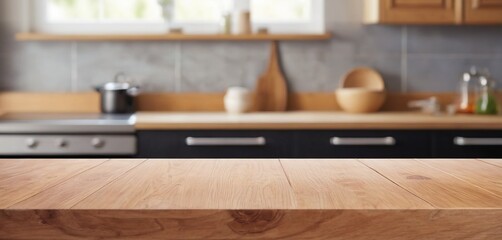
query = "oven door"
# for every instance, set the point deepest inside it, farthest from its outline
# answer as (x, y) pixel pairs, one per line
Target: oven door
(44, 145)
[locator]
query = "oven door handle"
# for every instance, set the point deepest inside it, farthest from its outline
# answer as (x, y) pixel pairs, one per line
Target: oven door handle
(196, 141)
(463, 141)
(385, 141)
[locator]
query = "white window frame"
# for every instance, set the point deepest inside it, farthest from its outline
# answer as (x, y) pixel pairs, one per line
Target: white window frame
(316, 25)
(41, 24)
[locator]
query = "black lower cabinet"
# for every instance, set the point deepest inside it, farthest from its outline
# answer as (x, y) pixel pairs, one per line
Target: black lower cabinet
(320, 144)
(214, 144)
(362, 144)
(468, 144)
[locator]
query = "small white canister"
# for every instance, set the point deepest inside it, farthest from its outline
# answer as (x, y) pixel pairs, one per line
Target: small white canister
(238, 100)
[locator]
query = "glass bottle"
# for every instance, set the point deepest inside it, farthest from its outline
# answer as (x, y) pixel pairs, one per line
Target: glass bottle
(486, 103)
(226, 23)
(466, 98)
(167, 7)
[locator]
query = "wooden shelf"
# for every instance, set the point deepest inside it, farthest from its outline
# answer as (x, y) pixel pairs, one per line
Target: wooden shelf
(173, 37)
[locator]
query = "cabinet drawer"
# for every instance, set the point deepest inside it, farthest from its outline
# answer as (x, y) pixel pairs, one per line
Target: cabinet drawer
(483, 12)
(213, 144)
(419, 12)
(468, 144)
(362, 144)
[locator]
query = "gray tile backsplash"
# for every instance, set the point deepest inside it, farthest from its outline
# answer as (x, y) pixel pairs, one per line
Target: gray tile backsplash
(357, 39)
(36, 66)
(411, 58)
(455, 40)
(152, 64)
(214, 66)
(318, 67)
(440, 72)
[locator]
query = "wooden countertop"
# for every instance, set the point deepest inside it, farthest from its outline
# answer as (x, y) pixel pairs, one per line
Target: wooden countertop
(312, 121)
(250, 199)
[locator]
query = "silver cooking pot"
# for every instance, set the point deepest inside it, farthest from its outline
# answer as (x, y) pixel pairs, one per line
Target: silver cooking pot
(118, 97)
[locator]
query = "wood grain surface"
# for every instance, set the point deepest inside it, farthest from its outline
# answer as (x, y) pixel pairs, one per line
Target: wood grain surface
(203, 184)
(484, 12)
(346, 185)
(250, 199)
(298, 101)
(195, 102)
(85, 102)
(251, 224)
(249, 184)
(484, 176)
(21, 179)
(439, 188)
(311, 121)
(493, 162)
(68, 193)
(414, 12)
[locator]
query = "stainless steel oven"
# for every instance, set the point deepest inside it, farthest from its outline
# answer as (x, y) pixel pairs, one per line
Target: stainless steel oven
(58, 135)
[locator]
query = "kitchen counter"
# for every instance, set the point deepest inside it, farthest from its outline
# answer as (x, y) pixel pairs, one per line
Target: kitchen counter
(312, 121)
(250, 199)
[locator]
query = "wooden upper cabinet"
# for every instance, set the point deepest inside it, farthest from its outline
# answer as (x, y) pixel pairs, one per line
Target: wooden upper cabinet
(414, 11)
(483, 12)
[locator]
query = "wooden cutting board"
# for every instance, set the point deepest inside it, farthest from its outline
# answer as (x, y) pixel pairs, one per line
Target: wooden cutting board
(272, 90)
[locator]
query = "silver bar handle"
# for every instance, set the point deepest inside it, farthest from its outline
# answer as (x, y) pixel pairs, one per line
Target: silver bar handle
(385, 141)
(463, 141)
(195, 141)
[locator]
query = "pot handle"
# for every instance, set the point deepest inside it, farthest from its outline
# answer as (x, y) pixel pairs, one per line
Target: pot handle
(134, 91)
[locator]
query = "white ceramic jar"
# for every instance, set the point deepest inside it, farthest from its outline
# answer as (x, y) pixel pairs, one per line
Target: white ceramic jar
(238, 100)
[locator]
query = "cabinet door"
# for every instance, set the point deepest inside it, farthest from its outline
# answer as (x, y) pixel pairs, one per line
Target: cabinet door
(421, 11)
(213, 144)
(483, 12)
(468, 144)
(363, 144)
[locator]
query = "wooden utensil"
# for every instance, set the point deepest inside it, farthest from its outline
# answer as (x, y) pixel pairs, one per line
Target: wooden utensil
(363, 77)
(272, 91)
(360, 100)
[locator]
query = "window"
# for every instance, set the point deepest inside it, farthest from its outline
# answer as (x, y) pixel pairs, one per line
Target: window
(97, 16)
(60, 11)
(289, 16)
(193, 16)
(281, 10)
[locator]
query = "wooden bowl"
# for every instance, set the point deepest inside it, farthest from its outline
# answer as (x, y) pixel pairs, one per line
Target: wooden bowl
(360, 100)
(363, 78)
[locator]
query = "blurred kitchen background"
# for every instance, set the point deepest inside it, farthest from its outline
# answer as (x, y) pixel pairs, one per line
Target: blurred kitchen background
(411, 58)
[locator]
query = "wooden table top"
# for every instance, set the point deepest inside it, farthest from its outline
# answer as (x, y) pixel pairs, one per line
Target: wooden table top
(250, 184)
(250, 199)
(312, 121)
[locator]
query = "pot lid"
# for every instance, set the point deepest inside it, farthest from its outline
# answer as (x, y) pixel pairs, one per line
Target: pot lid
(115, 86)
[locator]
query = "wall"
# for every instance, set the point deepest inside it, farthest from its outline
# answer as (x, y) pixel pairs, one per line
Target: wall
(411, 58)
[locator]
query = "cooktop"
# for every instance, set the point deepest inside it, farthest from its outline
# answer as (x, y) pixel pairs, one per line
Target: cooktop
(66, 123)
